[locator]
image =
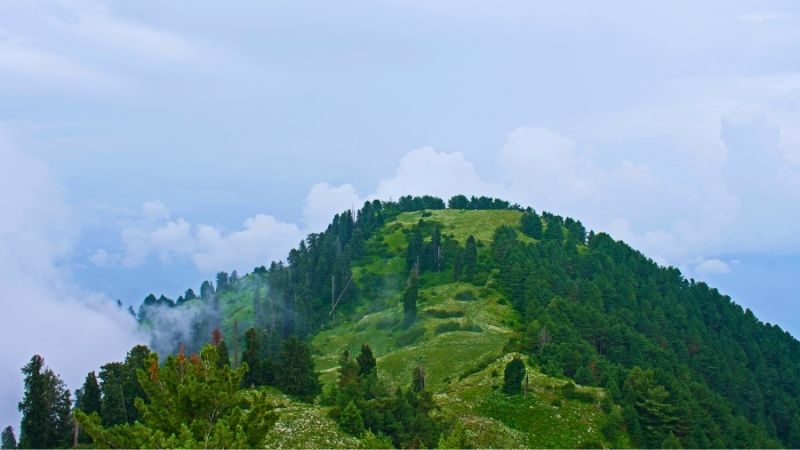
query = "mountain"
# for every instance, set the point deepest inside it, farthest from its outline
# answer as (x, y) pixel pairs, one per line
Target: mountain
(612, 349)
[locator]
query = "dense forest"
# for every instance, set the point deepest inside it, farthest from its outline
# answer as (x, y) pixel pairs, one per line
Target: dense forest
(679, 365)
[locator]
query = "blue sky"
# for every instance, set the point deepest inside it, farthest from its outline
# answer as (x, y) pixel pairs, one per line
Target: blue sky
(147, 145)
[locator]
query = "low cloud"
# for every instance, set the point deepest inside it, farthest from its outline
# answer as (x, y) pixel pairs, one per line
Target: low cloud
(43, 311)
(426, 171)
(262, 239)
(713, 266)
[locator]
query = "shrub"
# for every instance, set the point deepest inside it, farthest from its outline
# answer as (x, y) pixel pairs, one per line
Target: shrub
(466, 296)
(443, 314)
(410, 336)
(447, 327)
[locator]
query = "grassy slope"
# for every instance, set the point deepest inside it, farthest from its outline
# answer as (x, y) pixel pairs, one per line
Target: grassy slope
(464, 368)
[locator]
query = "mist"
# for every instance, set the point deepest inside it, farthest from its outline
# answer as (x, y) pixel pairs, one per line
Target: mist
(43, 311)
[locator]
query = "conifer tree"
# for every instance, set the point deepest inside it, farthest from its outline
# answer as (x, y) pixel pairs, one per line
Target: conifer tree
(193, 404)
(418, 379)
(532, 224)
(189, 295)
(351, 420)
(435, 255)
(410, 298)
(112, 407)
(45, 408)
(513, 376)
(252, 357)
(366, 361)
(415, 248)
(8, 440)
(135, 360)
(295, 370)
(89, 400)
(224, 356)
(554, 232)
(470, 258)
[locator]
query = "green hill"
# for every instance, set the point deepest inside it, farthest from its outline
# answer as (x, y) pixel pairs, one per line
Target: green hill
(618, 351)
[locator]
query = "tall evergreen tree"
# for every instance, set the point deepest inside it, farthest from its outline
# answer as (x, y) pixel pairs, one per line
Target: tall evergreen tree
(470, 258)
(89, 400)
(224, 356)
(46, 408)
(418, 379)
(112, 408)
(414, 253)
(351, 420)
(554, 232)
(8, 440)
(135, 360)
(295, 370)
(513, 376)
(366, 361)
(252, 357)
(410, 297)
(532, 224)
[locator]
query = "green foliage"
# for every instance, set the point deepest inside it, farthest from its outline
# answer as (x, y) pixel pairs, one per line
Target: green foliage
(589, 308)
(513, 376)
(193, 403)
(409, 337)
(351, 420)
(531, 224)
(88, 397)
(252, 357)
(45, 408)
(466, 296)
(410, 297)
(296, 374)
(366, 361)
(7, 439)
(457, 438)
(443, 314)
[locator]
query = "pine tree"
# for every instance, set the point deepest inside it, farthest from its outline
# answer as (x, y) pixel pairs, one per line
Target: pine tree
(351, 420)
(470, 258)
(89, 399)
(532, 224)
(410, 298)
(192, 404)
(224, 356)
(554, 231)
(415, 248)
(45, 408)
(295, 370)
(112, 407)
(513, 376)
(366, 361)
(435, 262)
(252, 357)
(135, 360)
(418, 379)
(671, 441)
(8, 440)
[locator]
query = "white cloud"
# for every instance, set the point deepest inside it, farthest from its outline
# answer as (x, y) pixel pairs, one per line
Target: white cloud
(713, 266)
(43, 312)
(262, 239)
(426, 171)
(324, 201)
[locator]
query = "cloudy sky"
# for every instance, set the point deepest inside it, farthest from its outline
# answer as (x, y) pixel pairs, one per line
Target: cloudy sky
(147, 145)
